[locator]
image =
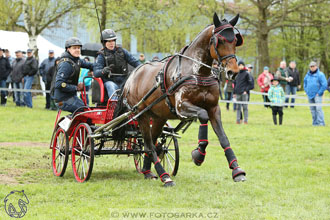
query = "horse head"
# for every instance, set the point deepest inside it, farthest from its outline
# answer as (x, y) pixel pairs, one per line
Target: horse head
(223, 44)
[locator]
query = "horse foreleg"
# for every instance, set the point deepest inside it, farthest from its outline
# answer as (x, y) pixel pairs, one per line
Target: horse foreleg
(186, 109)
(144, 124)
(238, 174)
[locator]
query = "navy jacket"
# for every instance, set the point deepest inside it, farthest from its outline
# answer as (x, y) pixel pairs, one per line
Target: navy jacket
(64, 71)
(243, 82)
(100, 62)
(45, 66)
(328, 88)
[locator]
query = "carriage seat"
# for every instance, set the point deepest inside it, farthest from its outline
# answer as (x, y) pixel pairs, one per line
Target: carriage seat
(99, 93)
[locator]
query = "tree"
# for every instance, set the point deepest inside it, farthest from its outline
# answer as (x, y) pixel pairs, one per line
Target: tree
(265, 16)
(41, 14)
(10, 11)
(159, 26)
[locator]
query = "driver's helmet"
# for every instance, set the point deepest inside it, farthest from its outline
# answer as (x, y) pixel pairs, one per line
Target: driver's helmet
(108, 34)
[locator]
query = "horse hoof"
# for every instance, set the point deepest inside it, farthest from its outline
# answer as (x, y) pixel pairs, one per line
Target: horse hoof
(150, 176)
(240, 178)
(238, 175)
(197, 157)
(169, 184)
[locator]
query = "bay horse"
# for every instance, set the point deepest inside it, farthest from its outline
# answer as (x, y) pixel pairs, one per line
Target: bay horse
(196, 93)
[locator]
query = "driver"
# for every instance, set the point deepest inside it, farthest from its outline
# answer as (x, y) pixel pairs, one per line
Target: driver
(68, 69)
(111, 63)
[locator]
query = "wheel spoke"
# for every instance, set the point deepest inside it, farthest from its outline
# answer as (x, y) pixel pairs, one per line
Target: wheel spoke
(173, 158)
(169, 163)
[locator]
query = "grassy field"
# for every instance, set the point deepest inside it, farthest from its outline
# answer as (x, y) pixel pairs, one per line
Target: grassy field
(287, 170)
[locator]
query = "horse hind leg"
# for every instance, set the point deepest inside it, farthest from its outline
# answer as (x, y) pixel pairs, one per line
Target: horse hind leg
(144, 123)
(157, 126)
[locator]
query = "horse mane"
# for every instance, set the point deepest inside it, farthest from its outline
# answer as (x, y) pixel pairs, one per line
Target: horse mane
(193, 41)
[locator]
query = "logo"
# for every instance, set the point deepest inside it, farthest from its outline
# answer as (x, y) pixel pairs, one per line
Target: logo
(15, 204)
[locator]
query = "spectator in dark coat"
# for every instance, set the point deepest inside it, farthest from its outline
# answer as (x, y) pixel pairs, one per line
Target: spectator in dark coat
(328, 88)
(17, 77)
(293, 83)
(43, 71)
(30, 69)
(5, 69)
(243, 84)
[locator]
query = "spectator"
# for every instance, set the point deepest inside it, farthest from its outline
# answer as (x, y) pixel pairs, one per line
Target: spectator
(282, 74)
(50, 78)
(294, 82)
(328, 88)
(9, 57)
(43, 71)
(264, 82)
(242, 83)
(5, 69)
(276, 96)
(315, 84)
(142, 59)
(17, 77)
(83, 73)
(249, 70)
(9, 81)
(68, 69)
(112, 63)
(228, 89)
(30, 69)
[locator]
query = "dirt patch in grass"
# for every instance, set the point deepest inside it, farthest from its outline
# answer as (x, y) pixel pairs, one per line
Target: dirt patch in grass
(9, 176)
(24, 144)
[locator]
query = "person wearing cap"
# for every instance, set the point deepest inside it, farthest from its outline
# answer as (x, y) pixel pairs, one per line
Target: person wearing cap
(242, 85)
(30, 69)
(44, 67)
(67, 75)
(315, 84)
(112, 62)
(293, 84)
(50, 75)
(264, 82)
(276, 96)
(17, 77)
(5, 69)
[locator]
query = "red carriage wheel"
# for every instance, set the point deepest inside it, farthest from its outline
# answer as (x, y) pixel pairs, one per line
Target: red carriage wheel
(82, 153)
(60, 152)
(138, 162)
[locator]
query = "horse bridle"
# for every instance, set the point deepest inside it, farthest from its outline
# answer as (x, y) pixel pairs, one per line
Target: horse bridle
(216, 33)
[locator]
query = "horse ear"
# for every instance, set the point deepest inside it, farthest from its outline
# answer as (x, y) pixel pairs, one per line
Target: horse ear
(234, 20)
(239, 39)
(216, 20)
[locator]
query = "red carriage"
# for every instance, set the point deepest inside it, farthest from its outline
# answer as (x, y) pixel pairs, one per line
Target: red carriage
(88, 133)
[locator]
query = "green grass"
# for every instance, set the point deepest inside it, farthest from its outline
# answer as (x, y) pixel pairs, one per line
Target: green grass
(287, 170)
